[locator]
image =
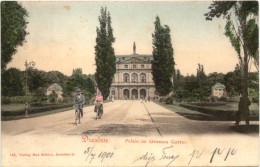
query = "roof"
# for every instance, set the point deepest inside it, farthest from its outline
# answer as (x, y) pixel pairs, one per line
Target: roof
(55, 86)
(122, 58)
(218, 85)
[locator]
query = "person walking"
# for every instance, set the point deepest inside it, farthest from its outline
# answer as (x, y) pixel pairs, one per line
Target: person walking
(78, 104)
(243, 110)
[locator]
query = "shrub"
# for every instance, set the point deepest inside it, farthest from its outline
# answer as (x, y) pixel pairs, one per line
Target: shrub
(6, 100)
(52, 97)
(222, 98)
(33, 110)
(214, 98)
(169, 100)
(162, 99)
(255, 100)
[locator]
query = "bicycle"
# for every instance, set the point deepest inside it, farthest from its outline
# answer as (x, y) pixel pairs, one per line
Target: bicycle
(99, 111)
(77, 115)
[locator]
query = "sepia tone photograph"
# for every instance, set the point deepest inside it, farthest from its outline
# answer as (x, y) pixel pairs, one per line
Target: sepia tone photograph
(129, 83)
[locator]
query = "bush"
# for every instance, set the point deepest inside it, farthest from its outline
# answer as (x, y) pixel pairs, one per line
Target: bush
(255, 100)
(15, 99)
(210, 104)
(222, 98)
(169, 100)
(162, 99)
(6, 100)
(33, 110)
(214, 98)
(227, 115)
(53, 97)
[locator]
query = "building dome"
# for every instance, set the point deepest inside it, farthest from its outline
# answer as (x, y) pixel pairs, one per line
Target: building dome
(218, 85)
(54, 87)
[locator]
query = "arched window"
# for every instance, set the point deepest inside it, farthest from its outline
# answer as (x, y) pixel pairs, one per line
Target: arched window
(143, 77)
(134, 78)
(126, 78)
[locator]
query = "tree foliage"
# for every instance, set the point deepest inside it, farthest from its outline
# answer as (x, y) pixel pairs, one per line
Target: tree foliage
(81, 81)
(11, 83)
(13, 29)
(163, 61)
(105, 56)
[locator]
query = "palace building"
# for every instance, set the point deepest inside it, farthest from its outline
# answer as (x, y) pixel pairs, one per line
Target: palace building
(133, 78)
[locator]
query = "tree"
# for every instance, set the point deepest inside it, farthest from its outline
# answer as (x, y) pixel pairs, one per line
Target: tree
(176, 80)
(13, 30)
(163, 62)
(36, 80)
(232, 81)
(105, 56)
(82, 81)
(56, 77)
(241, 29)
(204, 87)
(12, 83)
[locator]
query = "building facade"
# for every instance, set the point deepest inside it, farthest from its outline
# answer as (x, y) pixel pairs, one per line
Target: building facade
(133, 78)
(219, 90)
(57, 89)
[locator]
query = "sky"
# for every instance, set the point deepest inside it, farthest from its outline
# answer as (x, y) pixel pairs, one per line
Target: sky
(62, 35)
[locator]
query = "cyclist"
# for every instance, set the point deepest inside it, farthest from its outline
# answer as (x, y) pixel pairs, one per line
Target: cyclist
(99, 103)
(78, 104)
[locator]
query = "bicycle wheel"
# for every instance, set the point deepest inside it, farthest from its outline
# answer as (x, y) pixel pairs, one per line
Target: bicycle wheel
(97, 114)
(76, 117)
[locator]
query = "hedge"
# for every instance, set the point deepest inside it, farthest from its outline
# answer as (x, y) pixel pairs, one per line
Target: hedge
(225, 114)
(230, 115)
(34, 110)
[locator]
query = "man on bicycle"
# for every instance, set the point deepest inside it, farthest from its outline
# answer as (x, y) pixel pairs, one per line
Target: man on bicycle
(78, 103)
(99, 102)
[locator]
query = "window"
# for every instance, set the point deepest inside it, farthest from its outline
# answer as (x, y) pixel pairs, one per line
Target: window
(143, 77)
(126, 66)
(134, 66)
(142, 66)
(134, 78)
(126, 78)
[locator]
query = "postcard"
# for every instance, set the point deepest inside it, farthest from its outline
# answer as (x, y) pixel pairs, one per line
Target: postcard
(129, 83)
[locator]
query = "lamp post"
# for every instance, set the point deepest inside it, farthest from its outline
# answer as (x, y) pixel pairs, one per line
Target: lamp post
(27, 65)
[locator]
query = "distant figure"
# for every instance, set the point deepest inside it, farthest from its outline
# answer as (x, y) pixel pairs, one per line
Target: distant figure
(112, 98)
(243, 110)
(149, 98)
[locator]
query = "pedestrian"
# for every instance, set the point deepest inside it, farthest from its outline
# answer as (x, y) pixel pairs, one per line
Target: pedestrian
(112, 98)
(149, 98)
(243, 110)
(78, 104)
